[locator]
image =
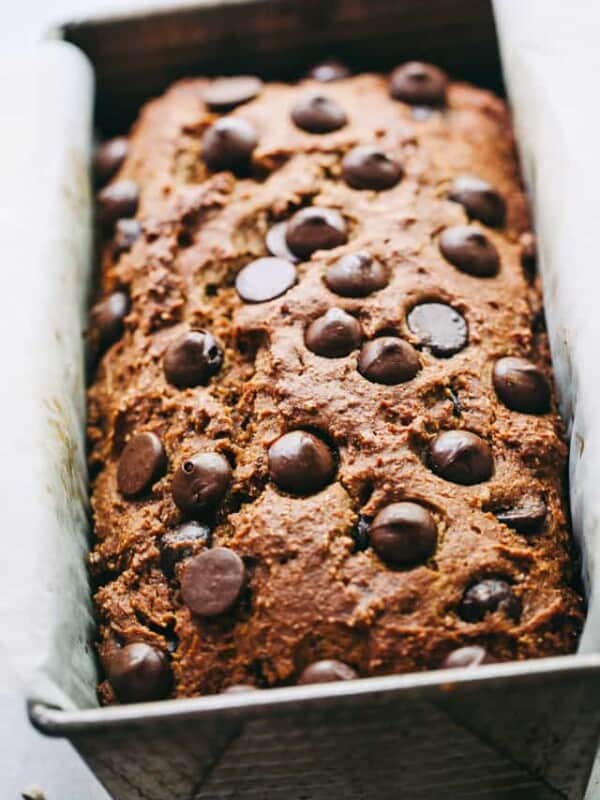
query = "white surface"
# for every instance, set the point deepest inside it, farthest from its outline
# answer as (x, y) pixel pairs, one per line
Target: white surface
(32, 760)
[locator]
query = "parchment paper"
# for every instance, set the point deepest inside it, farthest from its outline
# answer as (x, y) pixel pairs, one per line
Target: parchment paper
(45, 230)
(551, 63)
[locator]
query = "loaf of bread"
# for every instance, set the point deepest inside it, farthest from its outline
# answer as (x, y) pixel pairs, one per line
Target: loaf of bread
(323, 439)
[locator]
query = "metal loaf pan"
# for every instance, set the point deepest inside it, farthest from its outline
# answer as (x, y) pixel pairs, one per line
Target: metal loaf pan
(519, 730)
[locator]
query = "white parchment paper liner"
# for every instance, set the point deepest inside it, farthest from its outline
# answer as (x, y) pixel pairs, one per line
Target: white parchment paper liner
(551, 63)
(45, 229)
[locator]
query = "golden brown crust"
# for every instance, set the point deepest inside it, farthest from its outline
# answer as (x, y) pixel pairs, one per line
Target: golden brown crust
(310, 595)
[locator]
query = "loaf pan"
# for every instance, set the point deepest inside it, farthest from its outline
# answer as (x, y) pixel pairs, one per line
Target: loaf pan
(517, 730)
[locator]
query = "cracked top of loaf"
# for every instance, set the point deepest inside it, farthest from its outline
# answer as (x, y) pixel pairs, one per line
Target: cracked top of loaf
(322, 437)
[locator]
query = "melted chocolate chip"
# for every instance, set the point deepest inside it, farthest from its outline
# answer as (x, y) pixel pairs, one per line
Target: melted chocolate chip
(488, 596)
(211, 582)
(127, 232)
(356, 275)
(470, 250)
(265, 279)
(228, 144)
(142, 462)
(301, 463)
(439, 328)
(479, 199)
(317, 113)
(404, 533)
(469, 656)
(107, 319)
(192, 359)
(334, 335)
(388, 360)
(138, 673)
(526, 517)
(108, 158)
(329, 71)
(224, 94)
(366, 167)
(119, 199)
(521, 385)
(276, 243)
(419, 84)
(326, 671)
(200, 483)
(182, 543)
(315, 228)
(461, 457)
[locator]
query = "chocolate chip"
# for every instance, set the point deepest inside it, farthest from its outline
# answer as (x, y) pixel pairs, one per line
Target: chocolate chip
(326, 671)
(439, 328)
(318, 114)
(315, 228)
(521, 385)
(119, 199)
(107, 319)
(461, 457)
(301, 463)
(228, 144)
(276, 243)
(240, 688)
(486, 596)
(192, 359)
(469, 656)
(224, 94)
(366, 167)
(265, 279)
(470, 250)
(388, 360)
(127, 232)
(138, 673)
(182, 543)
(419, 84)
(329, 71)
(479, 199)
(334, 335)
(200, 483)
(525, 517)
(211, 582)
(108, 158)
(142, 462)
(404, 533)
(356, 275)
